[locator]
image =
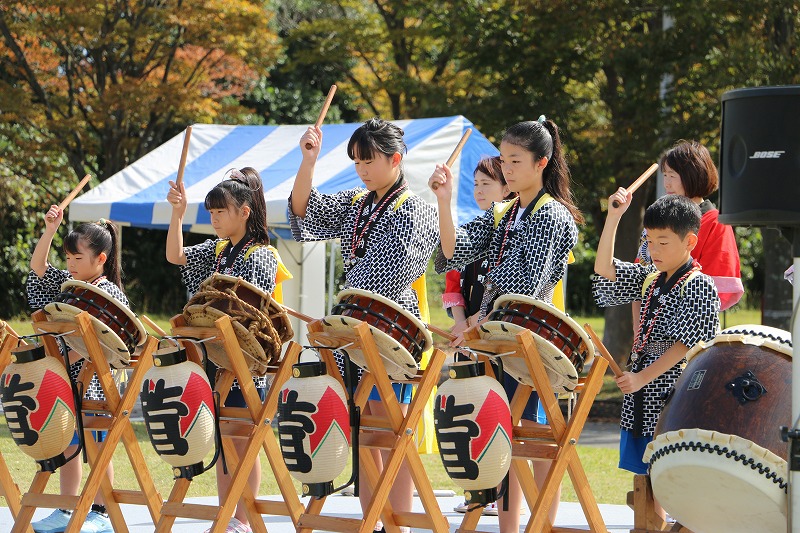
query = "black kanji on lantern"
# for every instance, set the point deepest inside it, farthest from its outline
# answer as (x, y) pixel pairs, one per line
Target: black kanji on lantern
(454, 432)
(18, 406)
(293, 425)
(162, 409)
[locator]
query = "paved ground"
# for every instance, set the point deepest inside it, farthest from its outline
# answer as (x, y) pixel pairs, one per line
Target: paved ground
(618, 518)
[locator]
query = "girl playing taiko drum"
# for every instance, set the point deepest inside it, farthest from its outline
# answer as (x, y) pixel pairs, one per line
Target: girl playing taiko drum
(387, 235)
(528, 250)
(239, 217)
(91, 250)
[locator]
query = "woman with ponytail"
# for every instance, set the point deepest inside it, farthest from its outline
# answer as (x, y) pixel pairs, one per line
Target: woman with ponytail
(92, 256)
(528, 249)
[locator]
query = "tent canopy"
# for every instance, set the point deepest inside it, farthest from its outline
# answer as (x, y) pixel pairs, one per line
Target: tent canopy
(136, 195)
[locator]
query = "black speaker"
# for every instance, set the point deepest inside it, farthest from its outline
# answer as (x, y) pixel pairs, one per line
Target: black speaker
(760, 157)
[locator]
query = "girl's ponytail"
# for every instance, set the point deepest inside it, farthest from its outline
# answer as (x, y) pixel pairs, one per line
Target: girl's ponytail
(113, 267)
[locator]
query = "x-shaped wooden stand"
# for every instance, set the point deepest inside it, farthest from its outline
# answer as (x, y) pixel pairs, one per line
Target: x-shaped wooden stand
(394, 433)
(554, 442)
(117, 425)
(252, 423)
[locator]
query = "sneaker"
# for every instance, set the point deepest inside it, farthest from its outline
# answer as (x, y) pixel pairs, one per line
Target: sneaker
(97, 523)
(462, 508)
(489, 510)
(235, 526)
(55, 523)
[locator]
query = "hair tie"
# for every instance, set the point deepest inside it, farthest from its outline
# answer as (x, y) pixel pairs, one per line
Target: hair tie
(541, 119)
(103, 223)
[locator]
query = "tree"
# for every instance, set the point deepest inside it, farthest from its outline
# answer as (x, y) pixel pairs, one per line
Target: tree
(394, 58)
(106, 83)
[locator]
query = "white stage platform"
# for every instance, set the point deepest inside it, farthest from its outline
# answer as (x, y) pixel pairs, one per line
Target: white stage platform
(618, 518)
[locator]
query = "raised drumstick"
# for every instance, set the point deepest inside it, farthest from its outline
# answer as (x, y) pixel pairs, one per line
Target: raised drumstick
(639, 181)
(323, 111)
(63, 205)
(305, 318)
(184, 153)
(604, 353)
(456, 151)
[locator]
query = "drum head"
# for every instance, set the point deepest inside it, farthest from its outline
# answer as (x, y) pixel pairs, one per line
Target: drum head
(278, 316)
(114, 349)
(204, 316)
(711, 481)
(427, 339)
(121, 307)
(560, 370)
(754, 334)
(397, 361)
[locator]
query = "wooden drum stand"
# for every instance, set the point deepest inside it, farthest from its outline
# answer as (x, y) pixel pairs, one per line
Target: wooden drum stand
(555, 442)
(393, 433)
(117, 425)
(252, 423)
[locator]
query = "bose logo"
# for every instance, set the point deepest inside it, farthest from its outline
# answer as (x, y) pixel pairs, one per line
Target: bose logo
(775, 154)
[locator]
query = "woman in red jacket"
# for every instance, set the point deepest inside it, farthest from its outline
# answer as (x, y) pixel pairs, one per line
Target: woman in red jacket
(689, 171)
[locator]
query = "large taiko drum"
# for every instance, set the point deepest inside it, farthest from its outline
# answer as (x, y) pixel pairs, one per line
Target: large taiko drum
(118, 329)
(401, 338)
(260, 323)
(717, 462)
(563, 345)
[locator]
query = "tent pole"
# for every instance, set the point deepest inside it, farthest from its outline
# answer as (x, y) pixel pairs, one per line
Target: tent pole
(331, 275)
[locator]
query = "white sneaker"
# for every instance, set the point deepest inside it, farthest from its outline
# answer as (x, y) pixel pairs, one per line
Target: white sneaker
(490, 510)
(97, 523)
(55, 522)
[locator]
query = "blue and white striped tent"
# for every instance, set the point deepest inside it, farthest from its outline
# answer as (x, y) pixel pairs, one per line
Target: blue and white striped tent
(136, 195)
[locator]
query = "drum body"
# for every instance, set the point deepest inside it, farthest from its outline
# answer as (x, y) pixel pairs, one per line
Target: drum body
(717, 462)
(563, 345)
(401, 338)
(118, 329)
(261, 324)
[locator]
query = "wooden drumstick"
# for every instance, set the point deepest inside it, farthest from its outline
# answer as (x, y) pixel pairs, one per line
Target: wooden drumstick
(604, 353)
(184, 153)
(639, 181)
(305, 318)
(63, 205)
(323, 112)
(442, 333)
(155, 327)
(454, 155)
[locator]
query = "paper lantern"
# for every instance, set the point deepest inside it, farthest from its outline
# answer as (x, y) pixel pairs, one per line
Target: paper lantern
(313, 427)
(178, 409)
(473, 428)
(39, 405)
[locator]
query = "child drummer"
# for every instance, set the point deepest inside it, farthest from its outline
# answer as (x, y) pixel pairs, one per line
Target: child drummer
(242, 249)
(387, 235)
(680, 307)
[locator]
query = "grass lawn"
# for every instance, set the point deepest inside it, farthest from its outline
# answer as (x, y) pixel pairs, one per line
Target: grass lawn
(609, 484)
